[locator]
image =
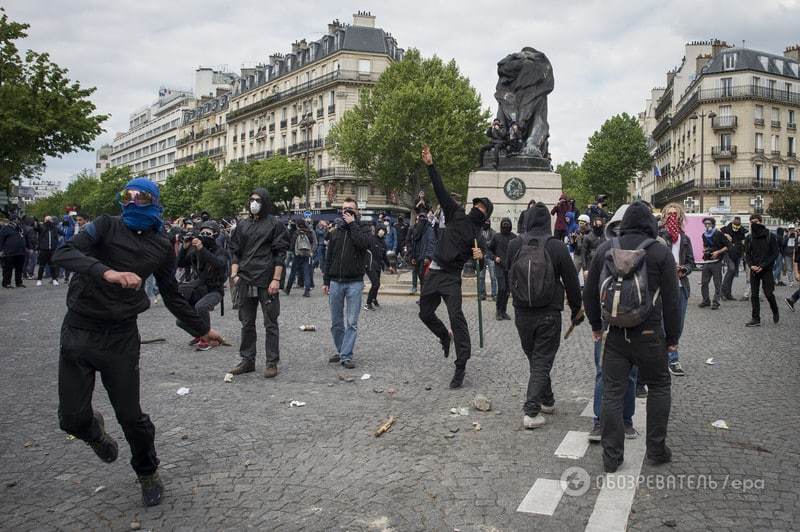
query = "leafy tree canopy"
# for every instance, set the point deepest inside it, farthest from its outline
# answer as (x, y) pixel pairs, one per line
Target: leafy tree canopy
(786, 203)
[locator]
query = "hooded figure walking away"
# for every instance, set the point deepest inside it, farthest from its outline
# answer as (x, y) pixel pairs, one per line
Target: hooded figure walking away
(258, 249)
(110, 258)
(499, 248)
(443, 282)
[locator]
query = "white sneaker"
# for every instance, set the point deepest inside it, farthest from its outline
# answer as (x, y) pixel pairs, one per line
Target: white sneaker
(547, 409)
(55, 283)
(533, 422)
(38, 283)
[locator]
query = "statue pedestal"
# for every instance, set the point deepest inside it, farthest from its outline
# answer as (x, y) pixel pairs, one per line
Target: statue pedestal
(511, 190)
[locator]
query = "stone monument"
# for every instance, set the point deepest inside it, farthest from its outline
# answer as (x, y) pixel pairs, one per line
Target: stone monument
(519, 169)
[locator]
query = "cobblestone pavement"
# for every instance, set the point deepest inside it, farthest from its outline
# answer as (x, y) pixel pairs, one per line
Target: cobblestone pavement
(236, 456)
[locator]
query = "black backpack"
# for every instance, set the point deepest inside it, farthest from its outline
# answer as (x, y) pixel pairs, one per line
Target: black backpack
(533, 277)
(625, 298)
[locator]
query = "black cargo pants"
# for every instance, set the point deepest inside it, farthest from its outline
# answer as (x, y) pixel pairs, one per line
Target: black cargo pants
(440, 285)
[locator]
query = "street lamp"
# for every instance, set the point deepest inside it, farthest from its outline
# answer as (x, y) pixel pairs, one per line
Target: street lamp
(307, 123)
(702, 116)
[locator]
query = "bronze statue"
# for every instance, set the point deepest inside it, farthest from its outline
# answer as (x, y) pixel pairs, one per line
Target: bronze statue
(525, 80)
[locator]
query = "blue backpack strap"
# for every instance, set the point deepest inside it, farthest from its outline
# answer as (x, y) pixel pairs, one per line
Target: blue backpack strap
(646, 243)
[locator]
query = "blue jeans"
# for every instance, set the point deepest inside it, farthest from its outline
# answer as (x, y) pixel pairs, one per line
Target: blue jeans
(777, 269)
(488, 265)
(344, 327)
(300, 266)
(683, 303)
(628, 402)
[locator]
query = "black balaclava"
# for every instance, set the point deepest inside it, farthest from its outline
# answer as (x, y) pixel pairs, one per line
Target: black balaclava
(598, 229)
(505, 226)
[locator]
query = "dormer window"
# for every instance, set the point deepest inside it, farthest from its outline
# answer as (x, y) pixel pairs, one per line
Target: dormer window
(729, 61)
(764, 61)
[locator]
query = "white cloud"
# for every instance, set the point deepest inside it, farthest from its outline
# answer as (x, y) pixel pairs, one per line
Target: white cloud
(606, 55)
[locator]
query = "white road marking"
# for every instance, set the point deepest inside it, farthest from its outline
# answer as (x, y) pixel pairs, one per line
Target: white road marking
(573, 445)
(613, 505)
(542, 498)
(589, 410)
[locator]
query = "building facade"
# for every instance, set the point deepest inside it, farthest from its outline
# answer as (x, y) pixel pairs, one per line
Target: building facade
(102, 159)
(723, 133)
(288, 106)
(202, 134)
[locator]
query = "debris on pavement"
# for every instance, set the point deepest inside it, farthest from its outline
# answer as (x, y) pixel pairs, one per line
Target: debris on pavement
(136, 525)
(482, 403)
(671, 523)
(711, 361)
(308, 328)
(428, 388)
(70, 437)
(98, 489)
(460, 411)
(453, 429)
(476, 426)
(385, 426)
(345, 378)
(296, 403)
(27, 444)
(391, 391)
(183, 391)
(449, 436)
(720, 424)
(377, 390)
(366, 376)
(228, 377)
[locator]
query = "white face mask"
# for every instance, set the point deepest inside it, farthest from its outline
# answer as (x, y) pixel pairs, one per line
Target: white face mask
(255, 207)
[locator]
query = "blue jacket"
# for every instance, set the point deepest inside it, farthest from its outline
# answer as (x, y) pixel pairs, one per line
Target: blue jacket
(391, 239)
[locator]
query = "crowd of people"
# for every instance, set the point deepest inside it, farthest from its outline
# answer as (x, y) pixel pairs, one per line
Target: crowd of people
(627, 272)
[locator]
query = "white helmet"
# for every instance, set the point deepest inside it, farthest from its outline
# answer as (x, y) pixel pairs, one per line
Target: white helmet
(584, 218)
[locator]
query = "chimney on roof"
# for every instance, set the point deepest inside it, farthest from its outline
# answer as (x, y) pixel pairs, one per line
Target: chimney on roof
(717, 46)
(701, 62)
(295, 46)
(333, 26)
(670, 77)
(792, 52)
(365, 19)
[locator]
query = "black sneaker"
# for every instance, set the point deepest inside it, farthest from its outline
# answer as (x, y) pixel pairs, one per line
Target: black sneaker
(631, 433)
(369, 306)
(334, 359)
(641, 391)
(152, 489)
(596, 434)
(247, 365)
(704, 304)
(349, 364)
(458, 378)
(729, 298)
(714, 305)
(676, 369)
(375, 304)
(776, 318)
(663, 458)
(506, 316)
(105, 447)
(753, 323)
(789, 303)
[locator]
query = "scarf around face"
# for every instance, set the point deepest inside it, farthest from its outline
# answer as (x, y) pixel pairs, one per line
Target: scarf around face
(673, 227)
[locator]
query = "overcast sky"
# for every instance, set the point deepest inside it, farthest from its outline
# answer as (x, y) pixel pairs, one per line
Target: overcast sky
(606, 55)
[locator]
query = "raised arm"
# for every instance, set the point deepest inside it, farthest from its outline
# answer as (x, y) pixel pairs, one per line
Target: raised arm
(446, 201)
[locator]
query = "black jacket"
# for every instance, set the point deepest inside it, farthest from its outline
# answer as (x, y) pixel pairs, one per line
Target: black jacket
(685, 256)
(460, 232)
(207, 266)
(258, 244)
(346, 256)
(499, 244)
(591, 242)
(108, 244)
(717, 242)
(13, 240)
(539, 223)
(376, 254)
(637, 225)
(736, 241)
(48, 236)
(497, 136)
(761, 247)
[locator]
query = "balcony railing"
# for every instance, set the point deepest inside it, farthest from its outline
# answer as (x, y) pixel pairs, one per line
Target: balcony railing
(331, 109)
(775, 123)
(211, 154)
(272, 127)
(664, 103)
(741, 184)
(337, 76)
(723, 152)
(758, 122)
(724, 122)
(792, 154)
(337, 171)
(320, 112)
(759, 151)
(662, 127)
(775, 153)
(791, 126)
(283, 124)
(294, 120)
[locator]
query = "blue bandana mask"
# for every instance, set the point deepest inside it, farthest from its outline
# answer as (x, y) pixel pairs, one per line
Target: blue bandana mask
(143, 218)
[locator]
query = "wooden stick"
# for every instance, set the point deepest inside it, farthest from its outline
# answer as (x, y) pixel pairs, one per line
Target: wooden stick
(385, 426)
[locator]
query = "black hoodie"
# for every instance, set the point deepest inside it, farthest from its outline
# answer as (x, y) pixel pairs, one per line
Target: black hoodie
(499, 243)
(637, 225)
(258, 244)
(761, 247)
(539, 223)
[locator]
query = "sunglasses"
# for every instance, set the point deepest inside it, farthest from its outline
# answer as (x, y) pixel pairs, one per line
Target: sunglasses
(206, 233)
(136, 197)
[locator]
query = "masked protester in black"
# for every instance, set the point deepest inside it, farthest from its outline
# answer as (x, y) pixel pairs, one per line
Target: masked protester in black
(443, 282)
(539, 327)
(644, 346)
(761, 251)
(205, 264)
(111, 257)
(258, 249)
(499, 247)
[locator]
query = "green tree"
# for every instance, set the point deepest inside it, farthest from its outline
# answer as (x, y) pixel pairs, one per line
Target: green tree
(613, 157)
(786, 203)
(104, 199)
(181, 194)
(43, 113)
(283, 178)
(415, 101)
(573, 183)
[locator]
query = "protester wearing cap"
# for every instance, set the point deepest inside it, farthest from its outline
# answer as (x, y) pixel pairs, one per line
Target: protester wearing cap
(110, 258)
(715, 246)
(456, 246)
